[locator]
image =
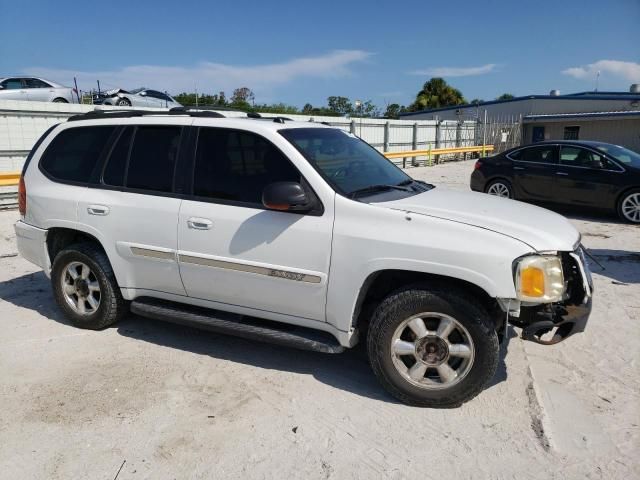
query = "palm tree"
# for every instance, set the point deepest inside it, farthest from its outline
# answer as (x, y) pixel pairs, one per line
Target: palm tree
(436, 93)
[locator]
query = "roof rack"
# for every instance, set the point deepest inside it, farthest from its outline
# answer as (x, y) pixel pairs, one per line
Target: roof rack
(98, 114)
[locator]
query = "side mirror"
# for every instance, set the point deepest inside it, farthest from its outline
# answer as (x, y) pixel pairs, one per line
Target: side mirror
(143, 93)
(286, 196)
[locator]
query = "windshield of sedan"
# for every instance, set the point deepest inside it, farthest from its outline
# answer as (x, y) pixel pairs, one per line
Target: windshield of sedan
(624, 155)
(350, 165)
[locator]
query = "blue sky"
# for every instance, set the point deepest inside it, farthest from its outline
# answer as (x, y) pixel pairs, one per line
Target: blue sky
(297, 52)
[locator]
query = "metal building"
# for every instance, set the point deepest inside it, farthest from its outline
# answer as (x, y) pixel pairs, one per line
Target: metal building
(554, 103)
(620, 128)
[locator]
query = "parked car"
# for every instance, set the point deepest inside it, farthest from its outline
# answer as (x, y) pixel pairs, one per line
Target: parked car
(297, 234)
(139, 97)
(596, 175)
(36, 90)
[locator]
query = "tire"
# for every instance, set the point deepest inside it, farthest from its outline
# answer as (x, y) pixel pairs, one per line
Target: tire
(433, 305)
(107, 306)
(626, 204)
(500, 188)
(59, 100)
(123, 102)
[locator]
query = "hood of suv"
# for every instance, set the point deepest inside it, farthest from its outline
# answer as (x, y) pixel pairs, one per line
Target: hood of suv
(539, 228)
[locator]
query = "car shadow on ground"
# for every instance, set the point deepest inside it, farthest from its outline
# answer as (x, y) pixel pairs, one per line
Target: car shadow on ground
(621, 266)
(347, 371)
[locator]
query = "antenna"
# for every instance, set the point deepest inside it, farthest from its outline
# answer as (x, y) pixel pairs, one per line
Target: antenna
(597, 79)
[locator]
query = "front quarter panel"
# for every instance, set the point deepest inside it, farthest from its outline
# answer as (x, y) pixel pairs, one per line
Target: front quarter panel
(371, 238)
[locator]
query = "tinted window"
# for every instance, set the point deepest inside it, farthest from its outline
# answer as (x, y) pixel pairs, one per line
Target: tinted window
(73, 153)
(621, 154)
(35, 83)
(347, 162)
(545, 154)
(579, 157)
(12, 84)
(153, 158)
(117, 163)
(237, 166)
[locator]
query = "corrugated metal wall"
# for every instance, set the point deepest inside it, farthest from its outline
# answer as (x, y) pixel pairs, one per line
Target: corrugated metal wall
(621, 131)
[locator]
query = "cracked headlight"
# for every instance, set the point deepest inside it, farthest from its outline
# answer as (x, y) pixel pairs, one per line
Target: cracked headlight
(539, 279)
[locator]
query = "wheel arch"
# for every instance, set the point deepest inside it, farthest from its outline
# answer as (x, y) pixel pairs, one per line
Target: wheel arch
(60, 237)
(381, 283)
(622, 193)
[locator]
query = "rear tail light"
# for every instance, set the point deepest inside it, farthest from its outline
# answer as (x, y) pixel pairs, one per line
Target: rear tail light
(477, 165)
(22, 197)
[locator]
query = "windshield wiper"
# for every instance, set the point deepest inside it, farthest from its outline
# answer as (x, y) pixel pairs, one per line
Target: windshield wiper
(377, 188)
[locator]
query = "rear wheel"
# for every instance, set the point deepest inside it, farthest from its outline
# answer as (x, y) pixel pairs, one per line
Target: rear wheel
(123, 102)
(432, 348)
(500, 188)
(59, 100)
(629, 206)
(85, 287)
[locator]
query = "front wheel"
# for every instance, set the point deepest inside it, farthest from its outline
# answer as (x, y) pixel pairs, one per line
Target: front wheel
(123, 102)
(431, 347)
(629, 206)
(59, 100)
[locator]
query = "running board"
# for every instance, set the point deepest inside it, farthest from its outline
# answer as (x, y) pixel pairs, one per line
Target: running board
(237, 325)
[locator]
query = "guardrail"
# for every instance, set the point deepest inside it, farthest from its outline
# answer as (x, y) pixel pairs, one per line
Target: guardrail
(432, 152)
(9, 179)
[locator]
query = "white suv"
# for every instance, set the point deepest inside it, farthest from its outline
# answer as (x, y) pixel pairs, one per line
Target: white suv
(298, 234)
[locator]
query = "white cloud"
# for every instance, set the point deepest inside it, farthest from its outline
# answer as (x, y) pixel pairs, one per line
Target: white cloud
(456, 71)
(628, 70)
(211, 77)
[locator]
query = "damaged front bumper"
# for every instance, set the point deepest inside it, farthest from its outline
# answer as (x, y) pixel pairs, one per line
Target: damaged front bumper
(549, 324)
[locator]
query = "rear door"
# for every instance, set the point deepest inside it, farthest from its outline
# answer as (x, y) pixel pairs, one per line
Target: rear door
(534, 171)
(585, 177)
(234, 251)
(133, 207)
(39, 91)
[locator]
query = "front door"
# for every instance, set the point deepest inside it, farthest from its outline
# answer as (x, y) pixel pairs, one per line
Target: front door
(585, 177)
(235, 252)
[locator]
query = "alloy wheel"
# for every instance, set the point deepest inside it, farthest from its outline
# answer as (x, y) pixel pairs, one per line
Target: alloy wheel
(499, 189)
(81, 288)
(432, 350)
(631, 208)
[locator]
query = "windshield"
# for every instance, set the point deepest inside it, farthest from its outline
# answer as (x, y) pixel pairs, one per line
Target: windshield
(348, 163)
(136, 90)
(624, 155)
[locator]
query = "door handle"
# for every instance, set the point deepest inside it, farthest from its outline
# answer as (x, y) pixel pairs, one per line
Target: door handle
(200, 223)
(98, 210)
(562, 173)
(518, 168)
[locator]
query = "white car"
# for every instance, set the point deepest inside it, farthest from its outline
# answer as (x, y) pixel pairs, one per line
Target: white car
(139, 97)
(35, 89)
(298, 234)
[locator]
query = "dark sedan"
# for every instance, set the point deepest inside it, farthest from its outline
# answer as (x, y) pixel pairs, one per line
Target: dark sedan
(589, 174)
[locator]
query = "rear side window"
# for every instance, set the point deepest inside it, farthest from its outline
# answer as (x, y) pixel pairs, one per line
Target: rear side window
(543, 154)
(153, 158)
(73, 154)
(117, 164)
(237, 166)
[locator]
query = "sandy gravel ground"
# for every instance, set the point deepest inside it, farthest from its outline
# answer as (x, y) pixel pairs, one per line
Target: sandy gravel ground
(156, 401)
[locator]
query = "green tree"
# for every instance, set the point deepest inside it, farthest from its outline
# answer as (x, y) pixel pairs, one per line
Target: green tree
(476, 101)
(242, 97)
(505, 96)
(340, 105)
(436, 93)
(307, 109)
(394, 110)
